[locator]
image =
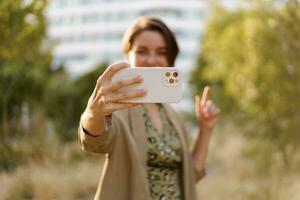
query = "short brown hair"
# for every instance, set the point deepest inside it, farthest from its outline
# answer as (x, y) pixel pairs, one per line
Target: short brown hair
(152, 24)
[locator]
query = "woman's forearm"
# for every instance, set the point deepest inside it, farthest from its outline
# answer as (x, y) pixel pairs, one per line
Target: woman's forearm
(200, 151)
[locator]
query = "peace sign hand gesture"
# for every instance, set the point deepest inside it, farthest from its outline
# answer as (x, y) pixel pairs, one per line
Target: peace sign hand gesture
(207, 112)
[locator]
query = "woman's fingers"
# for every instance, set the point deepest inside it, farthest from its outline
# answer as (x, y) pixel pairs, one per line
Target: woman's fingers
(111, 71)
(112, 107)
(120, 84)
(205, 107)
(117, 97)
(111, 102)
(205, 95)
(201, 103)
(105, 99)
(197, 105)
(210, 110)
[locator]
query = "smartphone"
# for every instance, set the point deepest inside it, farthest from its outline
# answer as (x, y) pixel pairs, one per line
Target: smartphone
(163, 84)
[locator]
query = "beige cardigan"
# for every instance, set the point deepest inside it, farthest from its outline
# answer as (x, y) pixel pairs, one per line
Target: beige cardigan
(124, 175)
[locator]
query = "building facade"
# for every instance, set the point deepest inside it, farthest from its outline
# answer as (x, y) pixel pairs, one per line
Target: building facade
(88, 32)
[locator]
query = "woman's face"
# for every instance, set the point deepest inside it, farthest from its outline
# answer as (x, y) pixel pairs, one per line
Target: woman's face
(148, 50)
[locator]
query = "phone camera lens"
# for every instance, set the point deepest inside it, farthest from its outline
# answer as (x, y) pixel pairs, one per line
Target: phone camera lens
(175, 74)
(168, 74)
(171, 81)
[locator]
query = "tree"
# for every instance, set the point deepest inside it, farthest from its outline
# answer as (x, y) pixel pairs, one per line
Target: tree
(251, 56)
(65, 104)
(36, 100)
(23, 65)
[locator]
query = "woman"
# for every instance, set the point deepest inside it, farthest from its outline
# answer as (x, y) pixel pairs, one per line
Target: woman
(147, 155)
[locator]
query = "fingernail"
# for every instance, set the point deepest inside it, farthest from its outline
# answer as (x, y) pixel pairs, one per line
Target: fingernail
(140, 78)
(142, 91)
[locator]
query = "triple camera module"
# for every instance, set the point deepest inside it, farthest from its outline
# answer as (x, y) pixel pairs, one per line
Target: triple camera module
(171, 78)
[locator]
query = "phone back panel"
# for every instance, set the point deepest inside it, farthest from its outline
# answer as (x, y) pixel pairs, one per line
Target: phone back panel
(163, 84)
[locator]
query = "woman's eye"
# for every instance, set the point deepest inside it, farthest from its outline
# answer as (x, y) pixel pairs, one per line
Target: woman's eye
(141, 52)
(163, 53)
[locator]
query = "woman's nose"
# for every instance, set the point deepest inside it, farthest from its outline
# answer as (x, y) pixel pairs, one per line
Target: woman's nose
(152, 60)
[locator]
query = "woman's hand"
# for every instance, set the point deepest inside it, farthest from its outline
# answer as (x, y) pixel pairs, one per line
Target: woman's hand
(106, 98)
(207, 112)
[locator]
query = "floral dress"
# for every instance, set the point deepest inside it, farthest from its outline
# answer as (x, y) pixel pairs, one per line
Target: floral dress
(163, 159)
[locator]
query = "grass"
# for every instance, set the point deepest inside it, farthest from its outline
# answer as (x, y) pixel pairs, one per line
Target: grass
(64, 180)
(232, 175)
(71, 174)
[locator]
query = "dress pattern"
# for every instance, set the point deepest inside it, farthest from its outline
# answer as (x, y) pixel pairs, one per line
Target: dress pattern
(163, 159)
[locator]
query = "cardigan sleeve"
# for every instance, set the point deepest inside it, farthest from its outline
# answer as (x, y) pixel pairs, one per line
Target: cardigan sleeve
(102, 143)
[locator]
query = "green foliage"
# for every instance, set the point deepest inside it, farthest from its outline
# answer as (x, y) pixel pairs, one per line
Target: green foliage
(251, 57)
(34, 96)
(22, 28)
(23, 70)
(36, 101)
(23, 65)
(85, 84)
(66, 99)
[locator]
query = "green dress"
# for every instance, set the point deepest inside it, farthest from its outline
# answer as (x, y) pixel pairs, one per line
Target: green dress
(164, 159)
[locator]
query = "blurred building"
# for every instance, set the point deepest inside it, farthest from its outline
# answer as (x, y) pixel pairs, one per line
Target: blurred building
(88, 32)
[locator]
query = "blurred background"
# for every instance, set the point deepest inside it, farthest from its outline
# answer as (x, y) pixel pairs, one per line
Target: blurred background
(52, 52)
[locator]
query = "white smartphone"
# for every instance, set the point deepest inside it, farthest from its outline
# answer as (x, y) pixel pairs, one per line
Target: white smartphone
(163, 84)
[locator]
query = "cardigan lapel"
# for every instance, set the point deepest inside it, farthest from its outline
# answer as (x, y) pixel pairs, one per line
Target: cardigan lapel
(176, 123)
(184, 145)
(138, 130)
